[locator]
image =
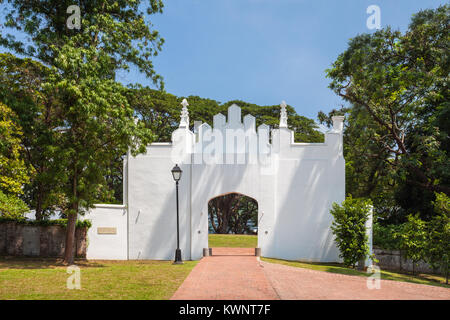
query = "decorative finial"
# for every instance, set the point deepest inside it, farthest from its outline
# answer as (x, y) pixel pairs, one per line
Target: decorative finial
(338, 124)
(184, 121)
(283, 115)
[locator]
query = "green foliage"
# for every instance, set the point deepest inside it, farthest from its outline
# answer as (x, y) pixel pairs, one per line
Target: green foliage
(11, 206)
(367, 170)
(386, 236)
(350, 230)
(57, 222)
(397, 86)
(160, 112)
(14, 172)
(232, 240)
(94, 122)
(22, 89)
(231, 213)
(84, 120)
(418, 239)
(442, 205)
(437, 247)
(114, 35)
(413, 237)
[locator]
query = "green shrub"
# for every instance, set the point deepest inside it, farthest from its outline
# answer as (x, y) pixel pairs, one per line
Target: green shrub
(413, 238)
(58, 222)
(349, 227)
(442, 205)
(12, 207)
(437, 248)
(385, 236)
(420, 240)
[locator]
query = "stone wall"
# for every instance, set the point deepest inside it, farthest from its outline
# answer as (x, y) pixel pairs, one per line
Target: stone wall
(38, 241)
(393, 260)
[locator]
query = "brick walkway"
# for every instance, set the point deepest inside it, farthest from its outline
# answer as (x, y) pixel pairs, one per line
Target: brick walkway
(293, 283)
(236, 274)
(229, 274)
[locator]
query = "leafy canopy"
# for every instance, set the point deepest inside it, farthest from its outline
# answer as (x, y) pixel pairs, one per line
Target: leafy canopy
(14, 172)
(401, 80)
(114, 34)
(397, 138)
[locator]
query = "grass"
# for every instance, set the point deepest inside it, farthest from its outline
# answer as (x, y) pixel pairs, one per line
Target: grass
(232, 240)
(428, 279)
(30, 278)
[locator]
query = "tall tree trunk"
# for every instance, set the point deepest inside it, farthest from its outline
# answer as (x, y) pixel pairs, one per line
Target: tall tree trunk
(69, 252)
(71, 224)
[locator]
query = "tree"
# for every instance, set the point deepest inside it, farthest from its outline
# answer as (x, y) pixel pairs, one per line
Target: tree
(12, 207)
(159, 110)
(413, 239)
(221, 209)
(22, 89)
(231, 213)
(349, 228)
(438, 241)
(401, 82)
(247, 216)
(161, 113)
(117, 29)
(305, 129)
(368, 173)
(14, 173)
(94, 112)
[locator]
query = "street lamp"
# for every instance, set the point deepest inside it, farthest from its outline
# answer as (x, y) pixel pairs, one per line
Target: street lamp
(176, 173)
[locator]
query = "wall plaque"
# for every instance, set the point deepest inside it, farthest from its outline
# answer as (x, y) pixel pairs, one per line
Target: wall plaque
(106, 230)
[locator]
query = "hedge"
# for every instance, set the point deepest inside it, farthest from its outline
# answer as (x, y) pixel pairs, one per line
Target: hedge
(385, 236)
(57, 222)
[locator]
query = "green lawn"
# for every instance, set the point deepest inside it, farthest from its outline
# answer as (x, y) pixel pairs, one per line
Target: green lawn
(232, 240)
(435, 280)
(46, 279)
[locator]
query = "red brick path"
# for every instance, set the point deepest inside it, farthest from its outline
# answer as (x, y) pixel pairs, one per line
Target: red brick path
(230, 274)
(235, 273)
(293, 283)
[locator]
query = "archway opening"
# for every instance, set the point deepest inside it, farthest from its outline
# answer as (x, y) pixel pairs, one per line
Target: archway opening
(233, 221)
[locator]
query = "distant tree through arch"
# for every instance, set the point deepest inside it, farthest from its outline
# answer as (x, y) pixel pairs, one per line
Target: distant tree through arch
(233, 213)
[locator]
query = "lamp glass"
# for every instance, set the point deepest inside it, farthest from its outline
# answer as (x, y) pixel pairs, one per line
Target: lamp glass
(176, 173)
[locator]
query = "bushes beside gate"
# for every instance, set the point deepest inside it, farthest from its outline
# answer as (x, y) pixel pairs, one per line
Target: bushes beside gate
(349, 227)
(43, 223)
(11, 206)
(386, 237)
(419, 240)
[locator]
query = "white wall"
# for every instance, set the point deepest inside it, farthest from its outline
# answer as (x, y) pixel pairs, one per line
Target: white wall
(311, 176)
(294, 196)
(107, 246)
(152, 206)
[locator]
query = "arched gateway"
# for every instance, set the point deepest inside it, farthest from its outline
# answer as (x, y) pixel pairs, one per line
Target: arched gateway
(294, 184)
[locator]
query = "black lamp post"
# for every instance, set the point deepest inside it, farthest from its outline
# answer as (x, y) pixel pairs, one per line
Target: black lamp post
(176, 173)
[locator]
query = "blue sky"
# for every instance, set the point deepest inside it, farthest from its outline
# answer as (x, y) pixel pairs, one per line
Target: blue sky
(263, 51)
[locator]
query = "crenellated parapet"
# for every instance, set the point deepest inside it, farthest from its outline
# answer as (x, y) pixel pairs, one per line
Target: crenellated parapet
(294, 184)
(233, 139)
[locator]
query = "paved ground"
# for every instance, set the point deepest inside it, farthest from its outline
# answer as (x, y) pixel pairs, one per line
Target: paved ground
(293, 283)
(235, 273)
(230, 274)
